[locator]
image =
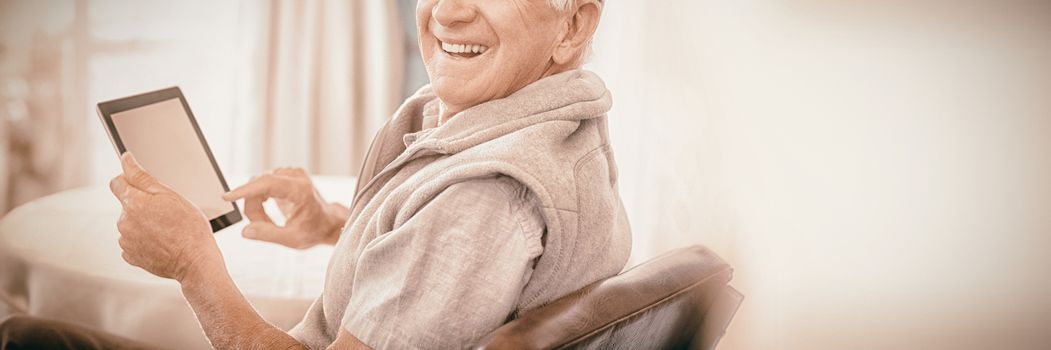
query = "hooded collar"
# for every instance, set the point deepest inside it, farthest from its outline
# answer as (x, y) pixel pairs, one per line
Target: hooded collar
(574, 95)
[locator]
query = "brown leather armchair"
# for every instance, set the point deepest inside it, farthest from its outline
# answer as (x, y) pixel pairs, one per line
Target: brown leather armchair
(679, 300)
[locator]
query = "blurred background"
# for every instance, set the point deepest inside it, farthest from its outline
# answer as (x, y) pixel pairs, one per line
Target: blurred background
(877, 171)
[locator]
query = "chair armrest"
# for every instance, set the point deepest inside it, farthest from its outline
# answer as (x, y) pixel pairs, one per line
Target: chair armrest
(718, 317)
(685, 281)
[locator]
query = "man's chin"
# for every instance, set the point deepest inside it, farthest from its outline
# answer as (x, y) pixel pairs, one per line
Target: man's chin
(453, 96)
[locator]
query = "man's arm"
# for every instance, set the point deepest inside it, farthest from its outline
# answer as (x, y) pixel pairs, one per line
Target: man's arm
(225, 315)
(166, 235)
(231, 323)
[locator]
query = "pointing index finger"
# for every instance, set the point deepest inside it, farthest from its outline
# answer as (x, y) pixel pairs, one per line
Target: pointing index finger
(263, 186)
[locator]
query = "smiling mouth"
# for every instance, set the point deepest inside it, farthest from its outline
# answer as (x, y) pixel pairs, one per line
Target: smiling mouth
(463, 50)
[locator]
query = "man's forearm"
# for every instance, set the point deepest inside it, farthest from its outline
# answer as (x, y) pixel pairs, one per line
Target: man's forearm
(227, 318)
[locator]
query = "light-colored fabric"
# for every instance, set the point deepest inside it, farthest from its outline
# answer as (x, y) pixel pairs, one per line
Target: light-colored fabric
(462, 275)
(454, 275)
(549, 136)
(59, 259)
(317, 79)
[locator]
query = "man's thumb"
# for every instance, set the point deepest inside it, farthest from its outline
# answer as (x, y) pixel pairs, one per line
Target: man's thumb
(136, 176)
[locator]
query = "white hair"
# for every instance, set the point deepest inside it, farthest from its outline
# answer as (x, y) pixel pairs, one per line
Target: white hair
(564, 5)
(561, 5)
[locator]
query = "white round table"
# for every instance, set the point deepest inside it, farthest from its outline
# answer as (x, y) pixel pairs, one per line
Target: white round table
(59, 259)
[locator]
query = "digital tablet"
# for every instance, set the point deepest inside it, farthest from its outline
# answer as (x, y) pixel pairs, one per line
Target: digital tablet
(159, 129)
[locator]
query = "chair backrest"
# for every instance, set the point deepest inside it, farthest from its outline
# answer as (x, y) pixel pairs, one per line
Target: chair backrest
(679, 300)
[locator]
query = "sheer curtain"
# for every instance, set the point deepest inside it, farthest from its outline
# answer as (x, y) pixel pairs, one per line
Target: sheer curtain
(272, 83)
(319, 79)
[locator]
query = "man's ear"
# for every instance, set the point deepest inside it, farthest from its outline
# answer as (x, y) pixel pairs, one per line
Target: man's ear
(580, 27)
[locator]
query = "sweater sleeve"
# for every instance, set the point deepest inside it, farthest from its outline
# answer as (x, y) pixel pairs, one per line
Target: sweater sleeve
(452, 273)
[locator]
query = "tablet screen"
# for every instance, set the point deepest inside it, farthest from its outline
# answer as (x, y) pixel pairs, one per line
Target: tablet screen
(165, 142)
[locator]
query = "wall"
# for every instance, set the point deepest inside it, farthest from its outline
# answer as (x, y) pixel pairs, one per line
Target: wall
(879, 172)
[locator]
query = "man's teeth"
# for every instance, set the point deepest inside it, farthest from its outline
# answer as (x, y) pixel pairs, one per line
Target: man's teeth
(463, 48)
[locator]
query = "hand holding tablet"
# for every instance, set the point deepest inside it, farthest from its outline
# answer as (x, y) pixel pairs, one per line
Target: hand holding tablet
(159, 129)
(170, 187)
(160, 230)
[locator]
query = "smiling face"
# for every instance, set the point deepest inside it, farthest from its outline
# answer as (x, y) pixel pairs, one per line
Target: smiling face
(480, 50)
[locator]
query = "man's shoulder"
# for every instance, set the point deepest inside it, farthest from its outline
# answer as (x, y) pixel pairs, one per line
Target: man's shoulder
(501, 192)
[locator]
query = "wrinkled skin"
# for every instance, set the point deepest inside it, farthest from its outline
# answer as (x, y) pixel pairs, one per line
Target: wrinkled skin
(160, 230)
(164, 233)
(308, 219)
(527, 40)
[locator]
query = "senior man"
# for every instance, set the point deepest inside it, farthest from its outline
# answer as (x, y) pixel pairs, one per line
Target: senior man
(492, 191)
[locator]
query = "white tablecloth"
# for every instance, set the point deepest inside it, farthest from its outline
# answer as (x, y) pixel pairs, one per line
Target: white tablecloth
(59, 259)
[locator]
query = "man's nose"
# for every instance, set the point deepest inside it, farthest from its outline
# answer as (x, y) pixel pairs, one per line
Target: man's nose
(450, 12)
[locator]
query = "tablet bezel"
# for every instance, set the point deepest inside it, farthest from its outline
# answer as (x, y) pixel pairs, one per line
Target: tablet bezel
(108, 108)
